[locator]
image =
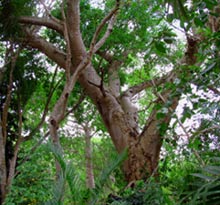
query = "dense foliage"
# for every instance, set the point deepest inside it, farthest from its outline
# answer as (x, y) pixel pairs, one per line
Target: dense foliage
(149, 40)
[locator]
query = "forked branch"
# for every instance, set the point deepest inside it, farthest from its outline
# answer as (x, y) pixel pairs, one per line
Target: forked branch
(111, 17)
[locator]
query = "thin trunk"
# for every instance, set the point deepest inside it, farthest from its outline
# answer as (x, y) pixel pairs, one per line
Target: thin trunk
(3, 129)
(56, 142)
(59, 109)
(3, 171)
(13, 165)
(90, 182)
(16, 148)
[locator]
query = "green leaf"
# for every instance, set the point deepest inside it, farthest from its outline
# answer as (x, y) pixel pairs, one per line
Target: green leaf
(170, 17)
(194, 144)
(168, 40)
(209, 67)
(211, 3)
(216, 159)
(162, 128)
(160, 47)
(160, 115)
(198, 22)
(213, 170)
(202, 176)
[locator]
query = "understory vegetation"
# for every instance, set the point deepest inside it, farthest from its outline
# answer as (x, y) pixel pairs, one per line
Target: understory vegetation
(112, 102)
(182, 179)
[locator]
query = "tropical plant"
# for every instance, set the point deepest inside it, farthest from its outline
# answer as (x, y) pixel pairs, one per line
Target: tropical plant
(123, 60)
(33, 179)
(77, 192)
(208, 183)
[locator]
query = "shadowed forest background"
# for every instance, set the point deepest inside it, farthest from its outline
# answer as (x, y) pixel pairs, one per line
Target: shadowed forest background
(109, 102)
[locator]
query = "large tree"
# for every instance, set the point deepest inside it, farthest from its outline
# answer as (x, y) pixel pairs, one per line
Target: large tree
(97, 46)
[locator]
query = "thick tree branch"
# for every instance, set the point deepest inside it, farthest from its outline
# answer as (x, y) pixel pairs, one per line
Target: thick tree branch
(94, 47)
(171, 110)
(100, 43)
(37, 42)
(114, 81)
(114, 65)
(68, 49)
(77, 46)
(73, 14)
(150, 140)
(49, 23)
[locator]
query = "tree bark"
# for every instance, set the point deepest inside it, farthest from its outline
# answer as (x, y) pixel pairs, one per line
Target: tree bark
(13, 160)
(3, 129)
(3, 171)
(90, 181)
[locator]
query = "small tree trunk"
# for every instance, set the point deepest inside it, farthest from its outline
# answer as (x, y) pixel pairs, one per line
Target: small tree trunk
(13, 165)
(3, 132)
(57, 115)
(57, 146)
(90, 182)
(3, 171)
(13, 161)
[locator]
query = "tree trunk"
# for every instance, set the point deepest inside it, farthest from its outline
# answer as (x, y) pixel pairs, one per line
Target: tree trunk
(3, 131)
(12, 167)
(3, 171)
(144, 148)
(90, 182)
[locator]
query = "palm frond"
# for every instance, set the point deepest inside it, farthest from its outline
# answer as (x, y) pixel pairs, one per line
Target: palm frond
(208, 192)
(66, 177)
(104, 176)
